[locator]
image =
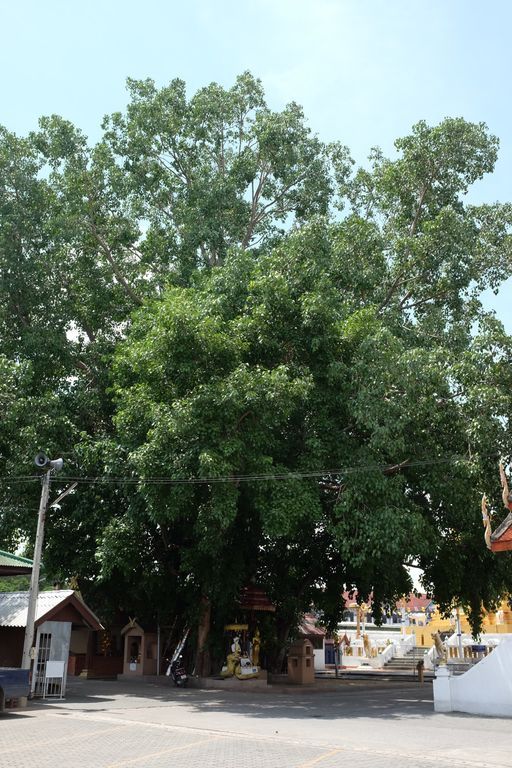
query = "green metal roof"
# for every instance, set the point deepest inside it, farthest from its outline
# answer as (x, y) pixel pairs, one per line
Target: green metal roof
(14, 564)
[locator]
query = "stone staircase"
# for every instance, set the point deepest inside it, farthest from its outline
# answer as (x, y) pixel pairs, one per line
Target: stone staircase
(406, 663)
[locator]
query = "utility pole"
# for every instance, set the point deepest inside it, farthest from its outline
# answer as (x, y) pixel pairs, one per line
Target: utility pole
(34, 580)
(43, 462)
(459, 635)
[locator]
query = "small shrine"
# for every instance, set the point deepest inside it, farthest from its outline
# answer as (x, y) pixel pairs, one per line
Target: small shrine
(140, 650)
(243, 640)
(301, 667)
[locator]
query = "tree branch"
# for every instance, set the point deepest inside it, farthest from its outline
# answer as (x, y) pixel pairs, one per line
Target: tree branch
(412, 232)
(115, 268)
(84, 367)
(418, 303)
(254, 204)
(414, 225)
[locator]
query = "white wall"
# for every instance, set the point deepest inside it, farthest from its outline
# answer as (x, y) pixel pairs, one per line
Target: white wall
(485, 689)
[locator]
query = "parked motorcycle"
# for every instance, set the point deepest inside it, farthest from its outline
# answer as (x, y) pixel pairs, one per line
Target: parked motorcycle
(176, 671)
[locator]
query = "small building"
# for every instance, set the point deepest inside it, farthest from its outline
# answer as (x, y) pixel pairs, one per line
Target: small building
(413, 608)
(416, 609)
(59, 614)
(13, 565)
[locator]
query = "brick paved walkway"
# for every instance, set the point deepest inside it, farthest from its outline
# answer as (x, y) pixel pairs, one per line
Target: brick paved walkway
(113, 725)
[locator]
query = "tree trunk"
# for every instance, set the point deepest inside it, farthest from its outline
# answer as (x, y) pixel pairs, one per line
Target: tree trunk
(283, 632)
(203, 632)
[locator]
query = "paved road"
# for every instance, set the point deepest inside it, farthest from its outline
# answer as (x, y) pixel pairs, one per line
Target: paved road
(363, 724)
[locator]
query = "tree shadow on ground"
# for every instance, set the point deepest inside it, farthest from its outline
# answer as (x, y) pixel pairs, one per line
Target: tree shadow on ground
(363, 699)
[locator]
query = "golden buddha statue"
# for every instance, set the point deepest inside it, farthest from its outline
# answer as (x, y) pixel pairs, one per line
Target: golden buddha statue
(256, 642)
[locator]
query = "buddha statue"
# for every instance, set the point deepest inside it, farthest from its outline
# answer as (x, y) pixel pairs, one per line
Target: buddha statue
(233, 659)
(256, 642)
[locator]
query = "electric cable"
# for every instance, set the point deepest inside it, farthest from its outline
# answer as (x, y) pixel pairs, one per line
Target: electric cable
(271, 476)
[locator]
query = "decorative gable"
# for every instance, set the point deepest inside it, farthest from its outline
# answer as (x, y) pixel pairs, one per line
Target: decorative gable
(501, 538)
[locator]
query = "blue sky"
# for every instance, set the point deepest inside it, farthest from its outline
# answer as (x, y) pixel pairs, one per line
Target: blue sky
(364, 70)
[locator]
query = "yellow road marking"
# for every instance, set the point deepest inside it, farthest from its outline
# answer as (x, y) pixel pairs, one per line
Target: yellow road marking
(163, 752)
(320, 758)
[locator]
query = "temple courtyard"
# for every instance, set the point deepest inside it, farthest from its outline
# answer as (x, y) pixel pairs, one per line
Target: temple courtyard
(355, 723)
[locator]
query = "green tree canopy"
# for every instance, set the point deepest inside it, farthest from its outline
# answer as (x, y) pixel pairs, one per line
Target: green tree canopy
(338, 437)
(286, 364)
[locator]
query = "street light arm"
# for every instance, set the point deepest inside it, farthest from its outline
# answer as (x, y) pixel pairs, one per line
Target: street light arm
(63, 494)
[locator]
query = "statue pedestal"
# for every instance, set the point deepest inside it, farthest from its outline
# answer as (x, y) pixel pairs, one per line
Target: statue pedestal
(442, 690)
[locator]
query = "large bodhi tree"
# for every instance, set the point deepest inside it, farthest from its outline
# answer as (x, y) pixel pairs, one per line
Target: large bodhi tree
(90, 233)
(333, 376)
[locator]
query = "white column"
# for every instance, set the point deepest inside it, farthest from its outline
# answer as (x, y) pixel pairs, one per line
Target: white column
(442, 690)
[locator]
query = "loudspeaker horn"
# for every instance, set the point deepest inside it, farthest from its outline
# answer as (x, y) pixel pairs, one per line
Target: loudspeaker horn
(41, 460)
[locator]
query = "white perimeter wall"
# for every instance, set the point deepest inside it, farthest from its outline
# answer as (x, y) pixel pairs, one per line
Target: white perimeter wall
(485, 689)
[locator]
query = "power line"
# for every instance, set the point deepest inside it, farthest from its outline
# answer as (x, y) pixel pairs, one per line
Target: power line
(20, 480)
(268, 477)
(19, 508)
